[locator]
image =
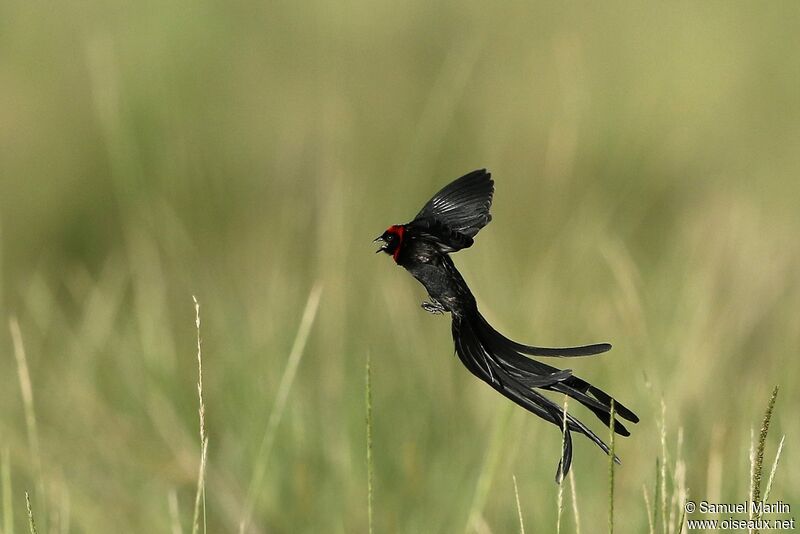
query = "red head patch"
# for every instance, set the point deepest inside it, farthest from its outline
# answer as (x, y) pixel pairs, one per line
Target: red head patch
(397, 232)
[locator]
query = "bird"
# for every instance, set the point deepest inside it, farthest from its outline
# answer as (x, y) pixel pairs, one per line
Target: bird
(447, 223)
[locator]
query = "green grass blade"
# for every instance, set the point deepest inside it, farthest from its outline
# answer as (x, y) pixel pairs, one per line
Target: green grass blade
(368, 399)
(174, 512)
(662, 473)
(647, 507)
(752, 471)
(560, 498)
(487, 471)
(8, 508)
(519, 508)
(285, 386)
(758, 464)
(657, 494)
(573, 491)
(26, 388)
(611, 471)
(774, 468)
(681, 522)
(200, 496)
(201, 483)
(31, 523)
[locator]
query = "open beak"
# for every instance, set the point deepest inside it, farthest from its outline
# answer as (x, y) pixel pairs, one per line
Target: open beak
(382, 240)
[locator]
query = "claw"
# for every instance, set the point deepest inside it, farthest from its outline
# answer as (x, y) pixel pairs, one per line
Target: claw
(433, 307)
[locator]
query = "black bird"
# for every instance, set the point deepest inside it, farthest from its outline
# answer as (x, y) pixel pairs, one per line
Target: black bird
(449, 223)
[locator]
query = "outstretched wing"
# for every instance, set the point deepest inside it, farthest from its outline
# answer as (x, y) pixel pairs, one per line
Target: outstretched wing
(456, 213)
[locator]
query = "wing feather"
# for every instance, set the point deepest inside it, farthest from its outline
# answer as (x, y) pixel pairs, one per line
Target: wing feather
(456, 213)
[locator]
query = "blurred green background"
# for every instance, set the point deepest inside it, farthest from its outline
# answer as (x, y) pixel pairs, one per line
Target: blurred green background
(647, 167)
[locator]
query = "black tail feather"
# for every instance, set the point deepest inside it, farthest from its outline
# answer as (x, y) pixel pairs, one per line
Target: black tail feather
(566, 457)
(559, 352)
(500, 362)
(579, 389)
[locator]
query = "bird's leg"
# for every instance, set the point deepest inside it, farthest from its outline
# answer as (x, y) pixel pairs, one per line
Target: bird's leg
(433, 307)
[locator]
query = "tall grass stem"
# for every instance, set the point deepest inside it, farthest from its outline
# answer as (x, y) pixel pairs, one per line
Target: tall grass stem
(200, 496)
(26, 388)
(560, 475)
(31, 522)
(368, 400)
(174, 512)
(276, 414)
(611, 457)
(758, 465)
(648, 506)
(573, 491)
(8, 507)
(486, 475)
(662, 475)
(519, 508)
(774, 468)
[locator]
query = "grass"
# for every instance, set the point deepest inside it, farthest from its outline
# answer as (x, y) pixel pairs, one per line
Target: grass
(574, 502)
(519, 507)
(475, 519)
(26, 389)
(31, 522)
(758, 459)
(646, 175)
(287, 379)
(368, 403)
(200, 496)
(774, 469)
(5, 483)
(174, 513)
(560, 475)
(611, 456)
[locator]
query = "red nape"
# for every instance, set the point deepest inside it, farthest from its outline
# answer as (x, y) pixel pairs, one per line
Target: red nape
(398, 230)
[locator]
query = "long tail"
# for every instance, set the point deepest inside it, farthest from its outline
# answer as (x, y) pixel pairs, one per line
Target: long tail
(501, 363)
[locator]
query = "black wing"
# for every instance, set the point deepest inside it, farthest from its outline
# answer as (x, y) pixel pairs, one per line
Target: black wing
(456, 213)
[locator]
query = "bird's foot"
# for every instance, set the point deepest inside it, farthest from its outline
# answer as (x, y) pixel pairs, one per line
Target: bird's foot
(433, 307)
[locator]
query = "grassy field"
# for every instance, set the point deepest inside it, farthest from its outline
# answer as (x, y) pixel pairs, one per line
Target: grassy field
(647, 167)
